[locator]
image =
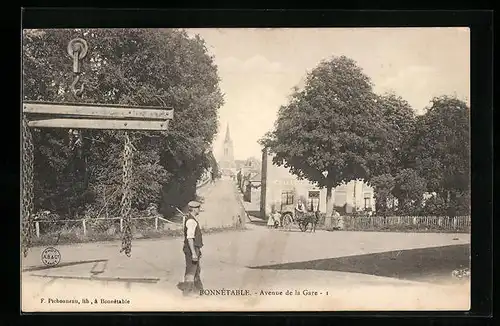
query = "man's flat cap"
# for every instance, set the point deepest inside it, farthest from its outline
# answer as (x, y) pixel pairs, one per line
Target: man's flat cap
(194, 204)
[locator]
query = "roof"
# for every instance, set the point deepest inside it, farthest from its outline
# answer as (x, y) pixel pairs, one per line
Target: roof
(228, 137)
(256, 177)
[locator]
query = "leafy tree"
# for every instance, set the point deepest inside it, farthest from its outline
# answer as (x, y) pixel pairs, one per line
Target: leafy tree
(440, 149)
(431, 154)
(409, 188)
(400, 124)
(124, 66)
(462, 204)
(434, 206)
(383, 186)
(334, 124)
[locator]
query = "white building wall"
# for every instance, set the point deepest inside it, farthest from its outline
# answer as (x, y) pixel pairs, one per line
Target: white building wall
(279, 179)
(356, 194)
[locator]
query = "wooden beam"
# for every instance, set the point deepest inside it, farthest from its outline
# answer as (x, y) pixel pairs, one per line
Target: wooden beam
(98, 111)
(99, 124)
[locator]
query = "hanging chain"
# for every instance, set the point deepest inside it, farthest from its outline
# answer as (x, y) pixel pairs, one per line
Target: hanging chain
(77, 50)
(27, 187)
(126, 197)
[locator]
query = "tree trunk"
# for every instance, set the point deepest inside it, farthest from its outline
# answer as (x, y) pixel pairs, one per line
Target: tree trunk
(381, 205)
(329, 209)
(402, 205)
(452, 200)
(85, 173)
(263, 185)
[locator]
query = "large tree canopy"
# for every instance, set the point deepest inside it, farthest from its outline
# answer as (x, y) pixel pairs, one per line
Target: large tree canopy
(409, 188)
(124, 66)
(336, 123)
(440, 149)
(400, 124)
(332, 125)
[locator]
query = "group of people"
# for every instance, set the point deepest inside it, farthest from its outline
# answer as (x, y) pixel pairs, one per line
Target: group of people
(276, 219)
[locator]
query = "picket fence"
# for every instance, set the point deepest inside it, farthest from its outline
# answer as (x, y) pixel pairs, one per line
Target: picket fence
(101, 225)
(360, 223)
(430, 222)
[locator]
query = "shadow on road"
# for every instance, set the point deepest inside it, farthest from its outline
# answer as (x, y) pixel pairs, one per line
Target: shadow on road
(255, 214)
(254, 217)
(428, 264)
(256, 221)
(73, 263)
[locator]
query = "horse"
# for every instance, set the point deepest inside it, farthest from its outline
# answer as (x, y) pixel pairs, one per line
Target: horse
(314, 221)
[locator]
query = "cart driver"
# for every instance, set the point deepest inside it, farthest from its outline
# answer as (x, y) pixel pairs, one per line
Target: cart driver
(300, 209)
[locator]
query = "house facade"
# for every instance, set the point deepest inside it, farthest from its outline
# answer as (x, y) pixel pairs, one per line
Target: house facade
(281, 189)
(251, 184)
(250, 179)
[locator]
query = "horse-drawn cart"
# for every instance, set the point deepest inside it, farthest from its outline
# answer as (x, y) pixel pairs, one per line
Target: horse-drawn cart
(290, 215)
(301, 220)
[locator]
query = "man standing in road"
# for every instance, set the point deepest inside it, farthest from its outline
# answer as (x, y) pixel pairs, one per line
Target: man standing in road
(193, 242)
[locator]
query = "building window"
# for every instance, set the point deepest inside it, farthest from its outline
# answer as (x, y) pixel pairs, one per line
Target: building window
(225, 151)
(313, 201)
(287, 197)
(340, 198)
(367, 202)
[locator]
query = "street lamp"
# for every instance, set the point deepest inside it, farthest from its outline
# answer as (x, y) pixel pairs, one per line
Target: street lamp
(325, 173)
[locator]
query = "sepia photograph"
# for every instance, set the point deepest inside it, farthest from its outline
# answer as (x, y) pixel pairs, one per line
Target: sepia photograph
(245, 169)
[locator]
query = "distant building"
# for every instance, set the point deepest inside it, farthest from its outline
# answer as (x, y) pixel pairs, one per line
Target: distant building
(282, 189)
(227, 164)
(249, 171)
(251, 187)
(239, 164)
(251, 166)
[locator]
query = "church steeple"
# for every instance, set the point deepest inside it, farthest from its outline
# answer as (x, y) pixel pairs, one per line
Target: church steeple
(227, 161)
(228, 136)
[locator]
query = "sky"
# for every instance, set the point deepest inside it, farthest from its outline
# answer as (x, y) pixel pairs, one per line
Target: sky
(259, 67)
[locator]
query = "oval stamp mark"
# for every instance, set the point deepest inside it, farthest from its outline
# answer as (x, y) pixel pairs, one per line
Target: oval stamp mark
(51, 256)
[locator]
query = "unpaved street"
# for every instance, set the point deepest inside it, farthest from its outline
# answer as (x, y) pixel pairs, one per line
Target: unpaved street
(330, 270)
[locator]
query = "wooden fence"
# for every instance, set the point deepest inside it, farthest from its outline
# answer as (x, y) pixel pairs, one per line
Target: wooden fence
(102, 224)
(462, 223)
(354, 223)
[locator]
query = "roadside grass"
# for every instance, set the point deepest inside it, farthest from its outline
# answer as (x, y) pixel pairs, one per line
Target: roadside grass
(65, 237)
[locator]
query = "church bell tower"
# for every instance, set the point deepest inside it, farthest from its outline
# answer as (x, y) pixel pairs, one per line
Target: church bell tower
(227, 161)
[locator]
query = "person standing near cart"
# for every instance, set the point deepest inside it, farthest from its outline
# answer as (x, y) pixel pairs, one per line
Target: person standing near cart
(193, 242)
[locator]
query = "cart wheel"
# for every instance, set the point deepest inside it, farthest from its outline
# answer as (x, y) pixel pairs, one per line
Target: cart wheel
(303, 226)
(287, 221)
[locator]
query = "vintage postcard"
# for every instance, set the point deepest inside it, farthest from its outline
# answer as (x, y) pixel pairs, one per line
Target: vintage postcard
(260, 169)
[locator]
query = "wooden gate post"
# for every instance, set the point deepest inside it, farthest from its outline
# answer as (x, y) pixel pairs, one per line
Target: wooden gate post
(85, 116)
